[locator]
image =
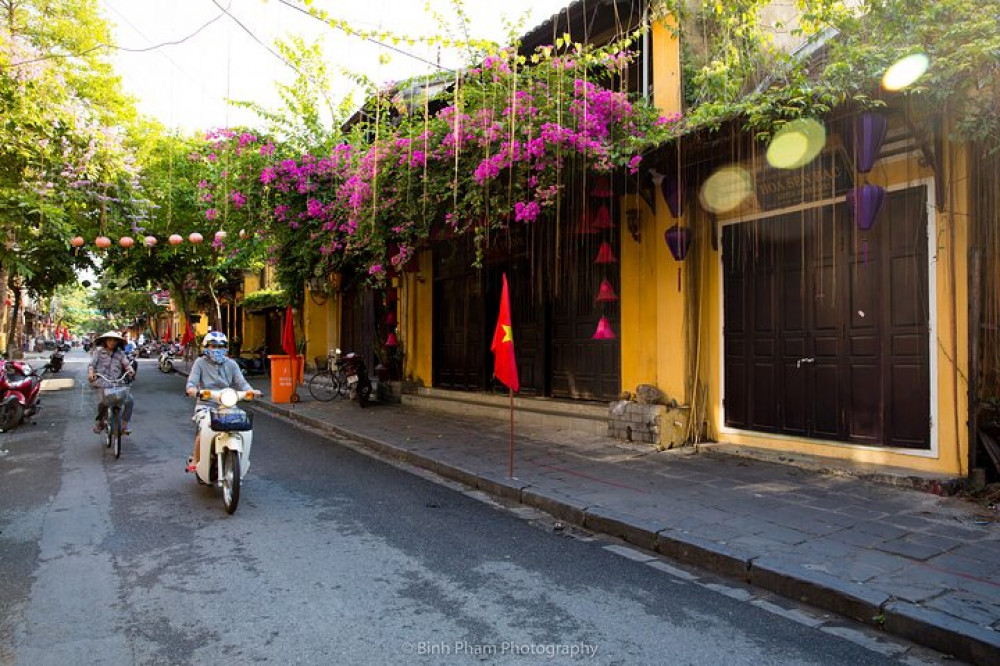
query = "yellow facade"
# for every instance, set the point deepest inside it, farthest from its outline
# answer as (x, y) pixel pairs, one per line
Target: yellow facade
(415, 321)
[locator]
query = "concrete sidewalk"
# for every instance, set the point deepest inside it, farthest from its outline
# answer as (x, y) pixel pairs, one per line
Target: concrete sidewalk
(920, 566)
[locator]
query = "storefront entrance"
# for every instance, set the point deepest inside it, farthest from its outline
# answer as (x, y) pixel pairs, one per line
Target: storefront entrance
(826, 328)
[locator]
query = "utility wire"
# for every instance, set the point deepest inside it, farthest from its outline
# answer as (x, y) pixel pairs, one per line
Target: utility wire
(123, 48)
(371, 39)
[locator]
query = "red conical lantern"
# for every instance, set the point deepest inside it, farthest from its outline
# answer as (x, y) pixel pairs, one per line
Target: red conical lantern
(605, 255)
(390, 295)
(391, 341)
(603, 331)
(606, 293)
(602, 218)
(585, 225)
(602, 187)
(390, 319)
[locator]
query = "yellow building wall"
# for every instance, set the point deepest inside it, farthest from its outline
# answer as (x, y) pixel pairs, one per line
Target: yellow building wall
(949, 330)
(321, 325)
(253, 324)
(652, 314)
(414, 316)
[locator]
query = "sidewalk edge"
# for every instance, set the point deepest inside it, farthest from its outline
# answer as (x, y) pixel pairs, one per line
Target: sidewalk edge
(941, 632)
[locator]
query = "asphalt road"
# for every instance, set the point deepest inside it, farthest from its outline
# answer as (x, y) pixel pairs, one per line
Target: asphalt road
(332, 558)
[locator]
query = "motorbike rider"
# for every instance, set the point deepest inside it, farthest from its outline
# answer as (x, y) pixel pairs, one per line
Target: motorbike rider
(214, 371)
(109, 360)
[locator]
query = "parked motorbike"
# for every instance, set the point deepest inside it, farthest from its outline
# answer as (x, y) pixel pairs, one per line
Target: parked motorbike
(359, 384)
(55, 363)
(20, 387)
(225, 438)
(165, 362)
(253, 367)
(145, 351)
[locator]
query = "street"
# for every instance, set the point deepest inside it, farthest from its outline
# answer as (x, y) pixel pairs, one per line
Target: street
(332, 557)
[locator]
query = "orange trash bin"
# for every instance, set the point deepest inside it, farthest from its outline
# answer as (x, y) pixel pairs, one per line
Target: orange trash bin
(286, 374)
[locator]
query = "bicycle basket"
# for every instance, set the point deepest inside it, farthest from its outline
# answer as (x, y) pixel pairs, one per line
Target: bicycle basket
(116, 395)
(233, 420)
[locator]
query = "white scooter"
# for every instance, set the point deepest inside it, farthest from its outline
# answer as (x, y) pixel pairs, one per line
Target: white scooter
(225, 438)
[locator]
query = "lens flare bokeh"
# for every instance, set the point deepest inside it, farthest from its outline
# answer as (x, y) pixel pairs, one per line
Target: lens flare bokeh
(796, 144)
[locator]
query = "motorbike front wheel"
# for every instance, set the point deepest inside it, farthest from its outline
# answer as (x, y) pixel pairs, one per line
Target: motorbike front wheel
(230, 480)
(10, 415)
(166, 367)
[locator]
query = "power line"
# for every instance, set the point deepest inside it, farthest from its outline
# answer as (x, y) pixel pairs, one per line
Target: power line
(371, 39)
(144, 49)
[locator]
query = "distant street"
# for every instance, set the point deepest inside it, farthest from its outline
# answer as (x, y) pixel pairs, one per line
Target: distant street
(332, 558)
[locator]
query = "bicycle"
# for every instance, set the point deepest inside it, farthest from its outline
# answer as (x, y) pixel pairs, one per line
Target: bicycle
(116, 394)
(329, 382)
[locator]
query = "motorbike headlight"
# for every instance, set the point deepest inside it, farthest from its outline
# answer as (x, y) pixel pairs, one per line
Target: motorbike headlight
(228, 397)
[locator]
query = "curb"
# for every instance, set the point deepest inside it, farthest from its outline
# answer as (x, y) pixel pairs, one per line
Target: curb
(933, 629)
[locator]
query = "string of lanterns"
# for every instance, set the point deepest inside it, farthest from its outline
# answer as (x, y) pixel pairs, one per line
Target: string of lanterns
(103, 242)
(601, 222)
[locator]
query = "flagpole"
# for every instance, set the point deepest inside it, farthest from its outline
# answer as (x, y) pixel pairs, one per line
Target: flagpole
(510, 448)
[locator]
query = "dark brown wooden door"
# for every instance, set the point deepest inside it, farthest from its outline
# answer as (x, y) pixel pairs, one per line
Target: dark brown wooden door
(826, 328)
(460, 345)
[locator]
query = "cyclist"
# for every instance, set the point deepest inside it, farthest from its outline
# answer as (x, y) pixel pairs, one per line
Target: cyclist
(109, 360)
(214, 371)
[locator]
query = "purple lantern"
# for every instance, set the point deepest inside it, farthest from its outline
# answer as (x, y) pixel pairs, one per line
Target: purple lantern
(673, 193)
(866, 202)
(678, 240)
(869, 133)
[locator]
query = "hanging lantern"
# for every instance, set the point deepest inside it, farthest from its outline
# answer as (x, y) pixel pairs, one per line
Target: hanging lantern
(126, 242)
(869, 133)
(603, 331)
(390, 295)
(175, 239)
(602, 187)
(585, 225)
(243, 233)
(605, 255)
(602, 218)
(150, 241)
(102, 242)
(679, 241)
(390, 319)
(673, 193)
(606, 293)
(866, 202)
(77, 242)
(390, 340)
(220, 236)
(195, 238)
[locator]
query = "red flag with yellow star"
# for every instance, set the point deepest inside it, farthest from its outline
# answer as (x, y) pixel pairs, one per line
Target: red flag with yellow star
(504, 363)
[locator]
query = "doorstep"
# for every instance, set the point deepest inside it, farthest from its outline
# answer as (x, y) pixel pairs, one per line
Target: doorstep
(901, 477)
(569, 416)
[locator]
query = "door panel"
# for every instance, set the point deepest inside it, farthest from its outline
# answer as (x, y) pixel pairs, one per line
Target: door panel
(851, 325)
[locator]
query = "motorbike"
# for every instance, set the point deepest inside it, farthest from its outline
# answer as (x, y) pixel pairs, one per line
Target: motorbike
(165, 362)
(359, 384)
(225, 438)
(253, 367)
(20, 387)
(145, 351)
(55, 363)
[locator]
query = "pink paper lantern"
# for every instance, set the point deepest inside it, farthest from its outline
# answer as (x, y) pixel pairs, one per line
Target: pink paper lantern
(77, 241)
(126, 242)
(606, 293)
(602, 218)
(102, 242)
(605, 255)
(603, 331)
(195, 238)
(175, 239)
(220, 236)
(150, 241)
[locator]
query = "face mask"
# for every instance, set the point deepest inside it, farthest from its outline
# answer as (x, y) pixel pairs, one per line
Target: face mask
(217, 355)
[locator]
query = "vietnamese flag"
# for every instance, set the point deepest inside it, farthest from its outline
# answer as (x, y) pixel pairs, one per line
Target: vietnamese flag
(504, 363)
(188, 334)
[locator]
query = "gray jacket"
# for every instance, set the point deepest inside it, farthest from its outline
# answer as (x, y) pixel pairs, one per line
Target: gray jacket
(207, 374)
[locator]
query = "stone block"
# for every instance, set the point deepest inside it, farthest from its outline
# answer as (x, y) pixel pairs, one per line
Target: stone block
(943, 632)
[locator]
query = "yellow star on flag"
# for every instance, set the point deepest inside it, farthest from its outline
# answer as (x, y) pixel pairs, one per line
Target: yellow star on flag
(508, 335)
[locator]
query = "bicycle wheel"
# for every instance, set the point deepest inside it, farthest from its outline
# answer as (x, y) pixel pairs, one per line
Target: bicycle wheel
(323, 387)
(343, 389)
(115, 431)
